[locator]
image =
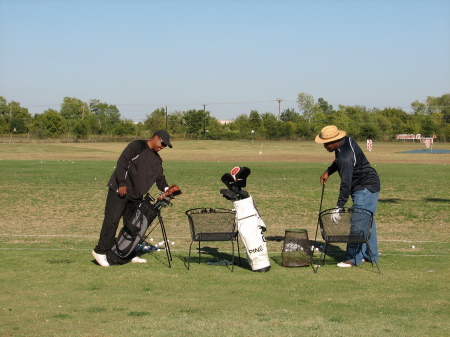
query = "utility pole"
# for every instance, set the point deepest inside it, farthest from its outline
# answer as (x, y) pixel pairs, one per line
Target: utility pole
(279, 107)
(204, 121)
(166, 121)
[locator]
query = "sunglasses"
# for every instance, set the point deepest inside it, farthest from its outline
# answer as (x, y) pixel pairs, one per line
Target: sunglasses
(162, 142)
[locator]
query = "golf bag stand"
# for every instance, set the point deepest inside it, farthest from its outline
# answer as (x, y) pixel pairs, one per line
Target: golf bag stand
(166, 240)
(138, 217)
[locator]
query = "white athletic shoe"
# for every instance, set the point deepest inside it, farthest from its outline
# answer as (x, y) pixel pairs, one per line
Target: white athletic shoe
(138, 259)
(345, 264)
(101, 259)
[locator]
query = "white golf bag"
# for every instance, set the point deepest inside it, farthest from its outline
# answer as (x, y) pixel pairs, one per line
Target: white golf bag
(251, 228)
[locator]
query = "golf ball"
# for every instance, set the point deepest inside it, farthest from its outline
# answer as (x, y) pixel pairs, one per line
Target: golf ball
(413, 247)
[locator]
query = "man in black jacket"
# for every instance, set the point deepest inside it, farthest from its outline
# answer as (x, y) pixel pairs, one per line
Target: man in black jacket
(358, 180)
(138, 168)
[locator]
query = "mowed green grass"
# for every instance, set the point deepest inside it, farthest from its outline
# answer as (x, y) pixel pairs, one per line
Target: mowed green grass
(51, 209)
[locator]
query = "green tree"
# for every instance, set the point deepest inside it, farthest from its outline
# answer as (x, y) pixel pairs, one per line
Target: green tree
(290, 115)
(369, 131)
(254, 120)
(306, 105)
(398, 120)
(242, 125)
(125, 128)
(4, 114)
(81, 129)
(106, 116)
(214, 129)
(326, 108)
(156, 120)
(73, 108)
(272, 126)
(175, 122)
(13, 117)
(195, 121)
(49, 124)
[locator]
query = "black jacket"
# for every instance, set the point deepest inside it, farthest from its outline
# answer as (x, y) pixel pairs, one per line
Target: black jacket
(354, 169)
(138, 168)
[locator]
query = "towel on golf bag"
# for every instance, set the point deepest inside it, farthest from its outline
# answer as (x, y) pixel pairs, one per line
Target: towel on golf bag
(137, 218)
(251, 227)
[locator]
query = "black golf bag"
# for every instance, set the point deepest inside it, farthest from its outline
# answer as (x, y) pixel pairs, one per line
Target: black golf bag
(137, 218)
(250, 226)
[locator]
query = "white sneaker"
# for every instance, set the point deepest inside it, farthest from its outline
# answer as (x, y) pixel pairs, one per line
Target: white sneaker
(101, 259)
(138, 259)
(345, 264)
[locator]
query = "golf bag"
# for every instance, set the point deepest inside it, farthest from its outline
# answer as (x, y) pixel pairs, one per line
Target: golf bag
(137, 218)
(250, 226)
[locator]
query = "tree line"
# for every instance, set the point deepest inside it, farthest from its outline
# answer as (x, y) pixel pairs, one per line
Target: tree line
(83, 120)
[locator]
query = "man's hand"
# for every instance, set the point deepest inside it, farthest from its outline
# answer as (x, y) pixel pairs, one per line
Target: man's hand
(336, 216)
(122, 191)
(324, 178)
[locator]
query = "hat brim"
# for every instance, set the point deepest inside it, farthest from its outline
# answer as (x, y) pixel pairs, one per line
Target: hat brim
(320, 140)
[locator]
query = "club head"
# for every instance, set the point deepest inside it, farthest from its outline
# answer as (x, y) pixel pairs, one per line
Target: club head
(229, 195)
(244, 194)
(228, 180)
(235, 170)
(241, 176)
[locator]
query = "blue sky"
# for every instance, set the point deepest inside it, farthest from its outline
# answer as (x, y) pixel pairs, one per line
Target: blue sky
(234, 56)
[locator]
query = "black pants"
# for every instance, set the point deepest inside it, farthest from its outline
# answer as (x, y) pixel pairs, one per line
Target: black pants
(114, 209)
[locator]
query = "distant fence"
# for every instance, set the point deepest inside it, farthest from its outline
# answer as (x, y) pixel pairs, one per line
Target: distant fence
(414, 137)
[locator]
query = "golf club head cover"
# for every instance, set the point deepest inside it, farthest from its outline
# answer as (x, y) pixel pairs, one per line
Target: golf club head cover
(239, 175)
(243, 194)
(228, 180)
(228, 194)
(238, 178)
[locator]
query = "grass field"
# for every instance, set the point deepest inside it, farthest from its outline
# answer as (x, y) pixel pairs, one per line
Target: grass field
(51, 207)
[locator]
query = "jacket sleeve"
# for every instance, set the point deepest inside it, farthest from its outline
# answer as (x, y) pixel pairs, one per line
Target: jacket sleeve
(161, 181)
(129, 153)
(332, 168)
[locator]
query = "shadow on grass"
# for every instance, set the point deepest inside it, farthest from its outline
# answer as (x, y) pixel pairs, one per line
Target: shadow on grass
(436, 200)
(214, 257)
(161, 257)
(390, 200)
(396, 200)
(276, 238)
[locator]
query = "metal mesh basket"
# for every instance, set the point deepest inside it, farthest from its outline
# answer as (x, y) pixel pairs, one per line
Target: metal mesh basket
(296, 250)
(353, 225)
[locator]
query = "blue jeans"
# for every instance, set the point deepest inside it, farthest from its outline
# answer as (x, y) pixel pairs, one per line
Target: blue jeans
(356, 252)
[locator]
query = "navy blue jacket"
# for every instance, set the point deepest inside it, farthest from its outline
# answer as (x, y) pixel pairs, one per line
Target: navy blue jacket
(354, 169)
(138, 168)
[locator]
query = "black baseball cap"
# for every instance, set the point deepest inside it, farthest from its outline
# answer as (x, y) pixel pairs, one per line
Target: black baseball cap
(164, 136)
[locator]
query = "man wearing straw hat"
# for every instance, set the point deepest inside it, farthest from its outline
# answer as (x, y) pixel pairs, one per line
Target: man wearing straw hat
(358, 180)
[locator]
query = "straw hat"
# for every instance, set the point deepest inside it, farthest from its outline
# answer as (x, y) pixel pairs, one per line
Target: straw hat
(329, 134)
